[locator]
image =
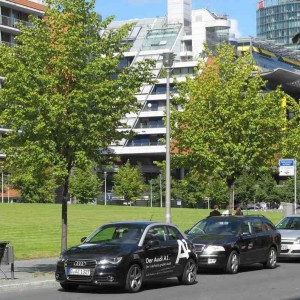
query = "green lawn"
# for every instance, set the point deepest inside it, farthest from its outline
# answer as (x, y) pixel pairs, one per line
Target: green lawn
(35, 229)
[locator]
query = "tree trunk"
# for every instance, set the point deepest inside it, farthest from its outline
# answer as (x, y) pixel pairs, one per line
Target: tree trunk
(64, 216)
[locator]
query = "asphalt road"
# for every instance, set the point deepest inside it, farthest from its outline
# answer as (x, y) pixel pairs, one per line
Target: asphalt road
(253, 283)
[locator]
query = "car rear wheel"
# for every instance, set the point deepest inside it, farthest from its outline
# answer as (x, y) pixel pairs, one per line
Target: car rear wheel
(189, 274)
(271, 262)
(69, 286)
(134, 279)
(233, 263)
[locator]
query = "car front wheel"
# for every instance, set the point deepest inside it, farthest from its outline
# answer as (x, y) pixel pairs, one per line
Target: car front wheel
(271, 262)
(189, 274)
(233, 263)
(134, 279)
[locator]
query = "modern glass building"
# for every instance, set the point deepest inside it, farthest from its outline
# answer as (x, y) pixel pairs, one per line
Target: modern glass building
(278, 20)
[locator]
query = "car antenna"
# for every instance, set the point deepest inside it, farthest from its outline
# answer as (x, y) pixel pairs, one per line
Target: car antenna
(151, 217)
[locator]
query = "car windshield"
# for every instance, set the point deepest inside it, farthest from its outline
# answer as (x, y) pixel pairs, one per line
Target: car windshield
(211, 226)
(117, 234)
(292, 223)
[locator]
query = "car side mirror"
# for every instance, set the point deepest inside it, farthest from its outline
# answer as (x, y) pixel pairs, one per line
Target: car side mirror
(187, 231)
(83, 239)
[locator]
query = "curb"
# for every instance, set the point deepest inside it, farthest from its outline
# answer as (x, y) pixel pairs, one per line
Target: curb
(28, 284)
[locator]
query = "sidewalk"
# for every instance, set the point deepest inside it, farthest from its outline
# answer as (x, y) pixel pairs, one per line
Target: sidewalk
(29, 273)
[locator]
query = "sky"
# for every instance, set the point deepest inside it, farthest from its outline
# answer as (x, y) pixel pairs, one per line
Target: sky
(243, 12)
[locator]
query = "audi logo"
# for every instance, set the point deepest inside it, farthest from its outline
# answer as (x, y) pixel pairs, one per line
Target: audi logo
(80, 263)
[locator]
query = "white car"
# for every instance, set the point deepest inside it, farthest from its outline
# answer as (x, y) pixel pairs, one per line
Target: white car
(289, 227)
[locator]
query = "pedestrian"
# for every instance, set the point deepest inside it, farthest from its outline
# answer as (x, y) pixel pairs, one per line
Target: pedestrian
(238, 211)
(215, 211)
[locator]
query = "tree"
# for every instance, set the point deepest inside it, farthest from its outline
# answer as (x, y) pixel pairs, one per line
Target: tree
(229, 124)
(85, 185)
(35, 185)
(196, 187)
(64, 95)
(129, 182)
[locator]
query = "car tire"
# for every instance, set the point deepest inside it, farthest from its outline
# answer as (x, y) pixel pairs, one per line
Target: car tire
(134, 279)
(69, 286)
(271, 262)
(189, 274)
(233, 263)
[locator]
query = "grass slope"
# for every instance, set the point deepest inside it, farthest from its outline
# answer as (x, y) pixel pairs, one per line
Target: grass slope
(35, 229)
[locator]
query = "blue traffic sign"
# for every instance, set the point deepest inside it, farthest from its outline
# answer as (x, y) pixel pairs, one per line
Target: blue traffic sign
(286, 162)
(287, 167)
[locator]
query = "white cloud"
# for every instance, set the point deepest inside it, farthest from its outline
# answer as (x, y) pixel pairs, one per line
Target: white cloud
(234, 29)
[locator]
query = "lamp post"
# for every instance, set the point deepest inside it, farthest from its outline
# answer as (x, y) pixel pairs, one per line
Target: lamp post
(168, 59)
(160, 190)
(151, 192)
(105, 175)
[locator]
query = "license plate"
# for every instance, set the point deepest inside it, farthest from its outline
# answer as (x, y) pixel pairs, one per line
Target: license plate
(83, 272)
(285, 247)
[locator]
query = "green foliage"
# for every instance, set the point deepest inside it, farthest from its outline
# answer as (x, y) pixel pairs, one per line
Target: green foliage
(229, 124)
(35, 185)
(129, 182)
(250, 188)
(85, 185)
(195, 188)
(158, 190)
(64, 95)
(286, 190)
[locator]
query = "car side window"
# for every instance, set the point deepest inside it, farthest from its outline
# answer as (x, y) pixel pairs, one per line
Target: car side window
(257, 225)
(246, 228)
(268, 226)
(156, 233)
(174, 234)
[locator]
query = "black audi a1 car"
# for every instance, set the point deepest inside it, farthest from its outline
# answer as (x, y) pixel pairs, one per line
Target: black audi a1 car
(126, 254)
(226, 242)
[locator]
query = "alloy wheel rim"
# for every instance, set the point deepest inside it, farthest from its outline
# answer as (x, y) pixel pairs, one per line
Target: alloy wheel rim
(272, 258)
(191, 271)
(135, 278)
(234, 263)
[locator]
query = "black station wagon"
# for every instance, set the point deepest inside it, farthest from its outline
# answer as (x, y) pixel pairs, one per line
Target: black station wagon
(227, 242)
(126, 254)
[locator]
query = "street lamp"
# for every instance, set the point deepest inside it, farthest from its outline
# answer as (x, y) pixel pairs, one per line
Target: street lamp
(151, 192)
(160, 190)
(168, 59)
(105, 175)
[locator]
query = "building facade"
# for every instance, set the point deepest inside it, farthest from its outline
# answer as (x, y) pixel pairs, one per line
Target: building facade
(182, 32)
(278, 20)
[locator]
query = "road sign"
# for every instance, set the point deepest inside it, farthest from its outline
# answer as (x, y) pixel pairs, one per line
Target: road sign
(286, 167)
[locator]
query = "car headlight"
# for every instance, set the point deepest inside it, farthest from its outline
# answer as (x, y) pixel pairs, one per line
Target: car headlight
(297, 240)
(109, 260)
(211, 249)
(62, 258)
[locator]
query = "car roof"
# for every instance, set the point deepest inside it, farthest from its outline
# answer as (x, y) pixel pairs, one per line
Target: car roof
(144, 223)
(236, 217)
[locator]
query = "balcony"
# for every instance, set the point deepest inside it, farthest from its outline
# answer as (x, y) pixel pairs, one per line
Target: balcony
(139, 150)
(12, 22)
(142, 143)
